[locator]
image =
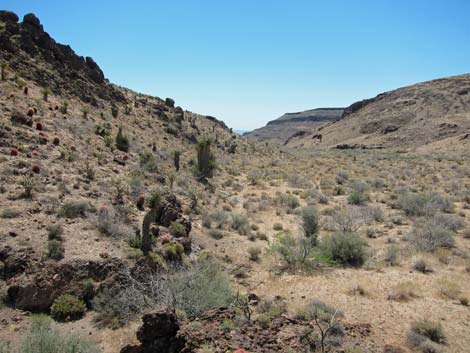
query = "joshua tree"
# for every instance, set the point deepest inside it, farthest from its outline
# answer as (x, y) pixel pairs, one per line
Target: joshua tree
(149, 218)
(205, 160)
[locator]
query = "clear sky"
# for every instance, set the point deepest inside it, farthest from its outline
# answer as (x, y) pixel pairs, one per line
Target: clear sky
(249, 61)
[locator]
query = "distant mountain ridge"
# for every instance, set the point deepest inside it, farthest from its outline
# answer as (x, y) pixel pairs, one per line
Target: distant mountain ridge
(289, 124)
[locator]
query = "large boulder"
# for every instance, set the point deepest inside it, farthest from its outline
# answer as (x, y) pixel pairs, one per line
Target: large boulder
(159, 333)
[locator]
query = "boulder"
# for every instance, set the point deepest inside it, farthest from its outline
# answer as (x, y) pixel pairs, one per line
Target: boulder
(21, 119)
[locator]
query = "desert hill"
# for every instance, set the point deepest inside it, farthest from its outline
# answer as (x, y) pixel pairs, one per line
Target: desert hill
(431, 116)
(289, 124)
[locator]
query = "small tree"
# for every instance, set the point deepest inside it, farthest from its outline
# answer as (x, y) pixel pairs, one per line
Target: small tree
(122, 142)
(205, 160)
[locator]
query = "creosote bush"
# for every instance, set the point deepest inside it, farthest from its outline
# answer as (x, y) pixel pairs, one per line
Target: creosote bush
(423, 332)
(295, 253)
(310, 221)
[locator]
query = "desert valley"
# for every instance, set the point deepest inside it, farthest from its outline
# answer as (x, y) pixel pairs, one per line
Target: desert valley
(130, 224)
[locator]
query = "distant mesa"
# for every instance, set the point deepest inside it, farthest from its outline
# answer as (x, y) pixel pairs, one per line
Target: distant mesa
(281, 129)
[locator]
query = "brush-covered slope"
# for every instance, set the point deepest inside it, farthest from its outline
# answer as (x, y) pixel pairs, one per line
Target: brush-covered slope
(429, 115)
(281, 129)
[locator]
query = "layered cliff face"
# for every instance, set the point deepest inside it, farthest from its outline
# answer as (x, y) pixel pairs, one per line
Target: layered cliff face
(430, 115)
(34, 55)
(290, 124)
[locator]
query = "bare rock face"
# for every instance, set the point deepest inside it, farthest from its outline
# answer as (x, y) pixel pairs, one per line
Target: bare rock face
(36, 292)
(158, 333)
(26, 47)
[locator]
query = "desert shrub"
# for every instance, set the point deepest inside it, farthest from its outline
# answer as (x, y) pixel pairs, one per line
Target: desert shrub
(216, 233)
(204, 286)
(55, 249)
(272, 307)
(74, 209)
(424, 204)
(108, 222)
(240, 223)
(392, 255)
(310, 221)
(55, 231)
(295, 253)
(67, 307)
(347, 249)
(42, 338)
(360, 186)
(177, 230)
(173, 251)
(29, 185)
(254, 253)
(421, 264)
(9, 213)
(122, 141)
(278, 226)
(349, 219)
(5, 347)
(426, 235)
(220, 218)
(373, 213)
(423, 331)
(358, 198)
(466, 233)
(403, 291)
(448, 289)
(448, 221)
(148, 161)
(317, 309)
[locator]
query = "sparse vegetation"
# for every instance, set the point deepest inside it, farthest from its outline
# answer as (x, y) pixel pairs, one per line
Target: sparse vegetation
(67, 307)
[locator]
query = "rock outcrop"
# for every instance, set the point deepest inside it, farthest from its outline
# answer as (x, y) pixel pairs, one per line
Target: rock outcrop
(28, 49)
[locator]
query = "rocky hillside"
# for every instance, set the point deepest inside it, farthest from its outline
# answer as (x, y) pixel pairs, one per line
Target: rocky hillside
(429, 116)
(281, 129)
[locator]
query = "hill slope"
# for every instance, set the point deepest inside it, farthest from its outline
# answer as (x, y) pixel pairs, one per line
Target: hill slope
(281, 129)
(428, 115)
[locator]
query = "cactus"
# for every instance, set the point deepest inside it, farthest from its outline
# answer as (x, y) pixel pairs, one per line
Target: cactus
(205, 160)
(14, 151)
(149, 218)
(56, 141)
(176, 160)
(36, 168)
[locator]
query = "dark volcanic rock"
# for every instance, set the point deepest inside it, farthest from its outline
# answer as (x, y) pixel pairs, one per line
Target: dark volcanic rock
(27, 47)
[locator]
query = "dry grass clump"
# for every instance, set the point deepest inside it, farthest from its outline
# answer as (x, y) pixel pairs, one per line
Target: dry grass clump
(403, 292)
(448, 289)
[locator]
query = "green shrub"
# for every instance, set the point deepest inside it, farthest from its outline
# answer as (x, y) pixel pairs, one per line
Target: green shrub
(55, 249)
(317, 309)
(122, 142)
(310, 221)
(358, 198)
(42, 338)
(205, 286)
(173, 251)
(216, 233)
(177, 230)
(67, 307)
(422, 331)
(347, 249)
(240, 223)
(74, 209)
(295, 253)
(135, 241)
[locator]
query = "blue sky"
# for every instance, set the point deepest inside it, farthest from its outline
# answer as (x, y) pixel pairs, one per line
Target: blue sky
(247, 61)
